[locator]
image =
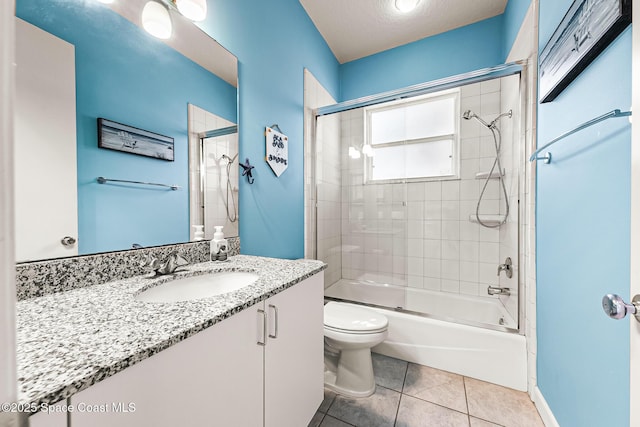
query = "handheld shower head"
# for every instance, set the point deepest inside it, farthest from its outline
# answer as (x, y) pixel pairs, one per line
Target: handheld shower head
(230, 159)
(468, 115)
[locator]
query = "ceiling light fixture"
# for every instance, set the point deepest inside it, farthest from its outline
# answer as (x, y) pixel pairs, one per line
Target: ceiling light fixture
(406, 6)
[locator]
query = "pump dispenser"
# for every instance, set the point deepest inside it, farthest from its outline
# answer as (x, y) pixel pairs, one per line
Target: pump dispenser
(219, 245)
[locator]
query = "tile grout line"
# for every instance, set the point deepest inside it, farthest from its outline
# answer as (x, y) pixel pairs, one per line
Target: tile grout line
(466, 399)
(406, 371)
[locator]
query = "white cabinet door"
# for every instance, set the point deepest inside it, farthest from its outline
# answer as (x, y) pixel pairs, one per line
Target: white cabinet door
(46, 206)
(213, 378)
(52, 419)
(294, 359)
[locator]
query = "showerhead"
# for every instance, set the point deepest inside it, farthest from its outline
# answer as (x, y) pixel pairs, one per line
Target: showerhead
(468, 115)
(229, 159)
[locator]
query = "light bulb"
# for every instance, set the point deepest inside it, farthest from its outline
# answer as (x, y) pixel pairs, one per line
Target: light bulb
(367, 150)
(354, 153)
(406, 6)
(156, 20)
(196, 10)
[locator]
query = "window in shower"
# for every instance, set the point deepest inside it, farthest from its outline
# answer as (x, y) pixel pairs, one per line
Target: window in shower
(416, 140)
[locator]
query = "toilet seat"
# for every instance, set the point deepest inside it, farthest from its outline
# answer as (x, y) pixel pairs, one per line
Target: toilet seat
(351, 319)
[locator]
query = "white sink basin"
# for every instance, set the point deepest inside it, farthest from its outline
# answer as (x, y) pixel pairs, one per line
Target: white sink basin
(198, 287)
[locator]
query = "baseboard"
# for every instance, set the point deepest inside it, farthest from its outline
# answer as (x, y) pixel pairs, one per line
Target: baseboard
(543, 409)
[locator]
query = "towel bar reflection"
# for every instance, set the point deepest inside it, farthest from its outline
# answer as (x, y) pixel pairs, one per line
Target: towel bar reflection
(102, 180)
(547, 156)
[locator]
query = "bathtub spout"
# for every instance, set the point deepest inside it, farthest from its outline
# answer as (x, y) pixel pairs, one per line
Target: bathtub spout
(495, 290)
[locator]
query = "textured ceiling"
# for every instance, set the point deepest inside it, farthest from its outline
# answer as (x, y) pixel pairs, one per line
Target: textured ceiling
(357, 28)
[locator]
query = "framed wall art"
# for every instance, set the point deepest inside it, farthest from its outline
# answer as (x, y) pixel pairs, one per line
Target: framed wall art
(120, 137)
(585, 31)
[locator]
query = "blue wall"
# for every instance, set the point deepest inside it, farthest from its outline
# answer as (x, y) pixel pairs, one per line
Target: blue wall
(513, 16)
(127, 76)
(583, 240)
(274, 41)
(457, 51)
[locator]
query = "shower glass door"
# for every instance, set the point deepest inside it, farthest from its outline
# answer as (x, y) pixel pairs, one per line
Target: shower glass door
(413, 210)
(361, 226)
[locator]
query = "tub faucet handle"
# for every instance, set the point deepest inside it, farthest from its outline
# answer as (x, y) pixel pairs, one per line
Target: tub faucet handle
(506, 267)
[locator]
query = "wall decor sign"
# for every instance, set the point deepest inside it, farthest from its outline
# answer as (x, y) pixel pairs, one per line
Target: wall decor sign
(585, 31)
(277, 150)
(120, 137)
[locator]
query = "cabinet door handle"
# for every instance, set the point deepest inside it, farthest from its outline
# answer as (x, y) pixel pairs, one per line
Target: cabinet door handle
(262, 316)
(275, 315)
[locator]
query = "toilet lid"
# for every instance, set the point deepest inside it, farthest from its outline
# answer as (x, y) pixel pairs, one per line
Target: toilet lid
(349, 317)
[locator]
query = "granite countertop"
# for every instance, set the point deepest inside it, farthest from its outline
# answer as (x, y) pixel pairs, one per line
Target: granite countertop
(68, 341)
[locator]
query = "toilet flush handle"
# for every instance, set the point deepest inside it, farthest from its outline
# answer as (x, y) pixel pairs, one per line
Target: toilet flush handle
(615, 307)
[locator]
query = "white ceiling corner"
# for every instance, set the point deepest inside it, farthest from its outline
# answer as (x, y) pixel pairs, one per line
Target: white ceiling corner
(354, 29)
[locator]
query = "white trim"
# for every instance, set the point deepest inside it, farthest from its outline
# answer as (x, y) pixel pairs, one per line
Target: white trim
(543, 409)
(8, 384)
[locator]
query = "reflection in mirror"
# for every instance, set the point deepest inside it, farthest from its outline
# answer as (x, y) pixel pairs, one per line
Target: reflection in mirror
(77, 61)
(213, 166)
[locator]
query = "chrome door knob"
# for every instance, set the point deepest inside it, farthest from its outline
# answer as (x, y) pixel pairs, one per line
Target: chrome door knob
(68, 241)
(615, 307)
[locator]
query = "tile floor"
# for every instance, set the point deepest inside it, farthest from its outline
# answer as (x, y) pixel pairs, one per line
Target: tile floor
(410, 395)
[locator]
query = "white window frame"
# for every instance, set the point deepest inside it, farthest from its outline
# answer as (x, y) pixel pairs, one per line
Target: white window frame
(455, 137)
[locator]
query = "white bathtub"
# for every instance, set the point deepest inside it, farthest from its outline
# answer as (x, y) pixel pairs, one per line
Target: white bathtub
(489, 355)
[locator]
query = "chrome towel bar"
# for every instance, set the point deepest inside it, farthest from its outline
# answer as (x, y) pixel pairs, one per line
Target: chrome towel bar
(547, 156)
(102, 180)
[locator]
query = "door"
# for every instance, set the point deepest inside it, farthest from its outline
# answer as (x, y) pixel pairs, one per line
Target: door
(635, 224)
(213, 378)
(294, 354)
(46, 206)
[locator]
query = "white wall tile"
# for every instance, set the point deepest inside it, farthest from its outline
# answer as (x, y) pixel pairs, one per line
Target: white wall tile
(450, 286)
(432, 248)
(450, 269)
(451, 249)
(433, 210)
(450, 190)
(432, 268)
(432, 229)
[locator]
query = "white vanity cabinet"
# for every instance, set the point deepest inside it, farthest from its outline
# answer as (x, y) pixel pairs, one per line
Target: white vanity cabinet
(294, 359)
(230, 374)
(52, 419)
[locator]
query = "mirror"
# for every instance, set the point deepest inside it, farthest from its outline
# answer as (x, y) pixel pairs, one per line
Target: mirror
(93, 61)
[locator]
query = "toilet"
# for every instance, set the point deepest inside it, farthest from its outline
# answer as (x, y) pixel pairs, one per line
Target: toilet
(350, 331)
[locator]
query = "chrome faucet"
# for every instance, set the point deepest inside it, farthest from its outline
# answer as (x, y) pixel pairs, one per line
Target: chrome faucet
(506, 267)
(173, 261)
(495, 290)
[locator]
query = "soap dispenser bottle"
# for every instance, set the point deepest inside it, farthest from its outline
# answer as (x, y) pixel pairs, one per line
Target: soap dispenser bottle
(219, 245)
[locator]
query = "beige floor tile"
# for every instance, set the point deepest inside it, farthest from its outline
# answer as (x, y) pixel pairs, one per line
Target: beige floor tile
(378, 410)
(328, 400)
(434, 385)
(329, 421)
(419, 413)
(389, 372)
(501, 405)
(477, 422)
(316, 420)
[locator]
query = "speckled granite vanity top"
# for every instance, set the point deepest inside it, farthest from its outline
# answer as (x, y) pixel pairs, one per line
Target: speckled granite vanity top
(70, 340)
